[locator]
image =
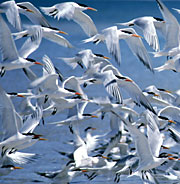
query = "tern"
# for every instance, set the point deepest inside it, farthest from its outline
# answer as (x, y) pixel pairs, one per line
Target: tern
(147, 150)
(111, 37)
(16, 135)
(73, 11)
(10, 57)
(172, 30)
(32, 13)
(85, 58)
(130, 86)
(49, 33)
(148, 26)
(6, 169)
(11, 10)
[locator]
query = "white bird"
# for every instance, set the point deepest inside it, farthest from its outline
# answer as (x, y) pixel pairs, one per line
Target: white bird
(77, 118)
(39, 32)
(85, 57)
(73, 11)
(65, 175)
(172, 32)
(10, 57)
(16, 135)
(11, 10)
(131, 87)
(6, 169)
(111, 37)
(32, 13)
(148, 25)
(148, 153)
(49, 82)
(171, 64)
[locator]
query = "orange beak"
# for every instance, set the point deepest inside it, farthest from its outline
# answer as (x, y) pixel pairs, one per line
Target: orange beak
(20, 95)
(93, 9)
(43, 139)
(106, 57)
(164, 147)
(78, 93)
(128, 80)
(167, 91)
(18, 167)
(93, 128)
(94, 116)
(135, 35)
(28, 10)
(156, 94)
(84, 170)
(171, 121)
(104, 157)
(38, 63)
(62, 32)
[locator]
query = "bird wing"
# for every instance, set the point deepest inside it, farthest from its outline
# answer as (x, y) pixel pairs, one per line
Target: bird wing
(154, 136)
(136, 93)
(12, 14)
(112, 42)
(8, 115)
(60, 40)
(47, 82)
(137, 47)
(149, 32)
(35, 17)
(7, 45)
(174, 134)
(141, 143)
(172, 27)
(29, 47)
(73, 83)
(85, 22)
(86, 57)
(60, 10)
(32, 121)
(48, 65)
(111, 86)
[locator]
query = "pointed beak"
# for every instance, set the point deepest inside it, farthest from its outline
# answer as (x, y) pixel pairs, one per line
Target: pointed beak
(29, 10)
(84, 170)
(104, 157)
(106, 57)
(167, 91)
(135, 35)
(62, 32)
(78, 94)
(171, 121)
(93, 128)
(38, 63)
(93, 9)
(43, 139)
(169, 155)
(128, 80)
(164, 147)
(20, 95)
(155, 94)
(171, 158)
(37, 136)
(18, 167)
(94, 116)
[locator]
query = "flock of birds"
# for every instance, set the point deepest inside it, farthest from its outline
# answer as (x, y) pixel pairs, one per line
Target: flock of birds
(145, 128)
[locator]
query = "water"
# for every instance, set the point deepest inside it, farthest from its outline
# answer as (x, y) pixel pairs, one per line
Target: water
(109, 13)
